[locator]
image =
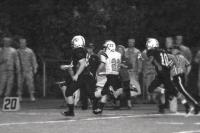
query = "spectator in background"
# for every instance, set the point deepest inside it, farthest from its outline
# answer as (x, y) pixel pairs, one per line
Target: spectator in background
(134, 57)
(29, 67)
(149, 73)
(169, 43)
(185, 51)
(9, 66)
(197, 60)
(124, 75)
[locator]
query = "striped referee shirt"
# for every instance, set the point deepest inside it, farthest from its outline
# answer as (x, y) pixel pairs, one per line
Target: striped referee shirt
(180, 64)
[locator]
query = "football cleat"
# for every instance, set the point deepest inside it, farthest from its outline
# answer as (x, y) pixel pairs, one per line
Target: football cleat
(97, 111)
(196, 109)
(188, 108)
(161, 108)
(67, 113)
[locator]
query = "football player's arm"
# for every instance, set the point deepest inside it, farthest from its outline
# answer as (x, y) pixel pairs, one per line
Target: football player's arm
(71, 72)
(123, 65)
(188, 66)
(100, 68)
(156, 63)
(82, 65)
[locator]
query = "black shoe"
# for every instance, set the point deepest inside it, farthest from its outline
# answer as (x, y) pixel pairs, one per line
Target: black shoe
(187, 108)
(84, 107)
(161, 108)
(97, 111)
(95, 104)
(67, 113)
(196, 109)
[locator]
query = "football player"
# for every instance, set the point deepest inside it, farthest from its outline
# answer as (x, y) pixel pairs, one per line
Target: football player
(110, 62)
(163, 64)
(81, 77)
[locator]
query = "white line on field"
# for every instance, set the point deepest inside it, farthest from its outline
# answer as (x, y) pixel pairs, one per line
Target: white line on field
(87, 119)
(170, 123)
(193, 131)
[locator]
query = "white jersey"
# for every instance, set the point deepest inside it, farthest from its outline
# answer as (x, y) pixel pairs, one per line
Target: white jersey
(112, 62)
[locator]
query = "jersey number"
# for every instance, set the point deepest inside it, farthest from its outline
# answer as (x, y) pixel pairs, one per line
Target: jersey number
(164, 59)
(115, 64)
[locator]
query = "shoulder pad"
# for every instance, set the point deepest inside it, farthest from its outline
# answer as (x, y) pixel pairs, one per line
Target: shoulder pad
(104, 54)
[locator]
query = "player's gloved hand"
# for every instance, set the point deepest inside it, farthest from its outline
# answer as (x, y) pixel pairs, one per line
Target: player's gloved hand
(162, 91)
(102, 73)
(65, 67)
(75, 77)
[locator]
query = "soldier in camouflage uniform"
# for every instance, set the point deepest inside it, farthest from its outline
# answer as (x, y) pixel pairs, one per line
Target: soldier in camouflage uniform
(134, 57)
(9, 66)
(197, 60)
(29, 66)
(148, 72)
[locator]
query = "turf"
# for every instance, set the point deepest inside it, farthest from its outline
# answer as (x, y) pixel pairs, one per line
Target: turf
(44, 116)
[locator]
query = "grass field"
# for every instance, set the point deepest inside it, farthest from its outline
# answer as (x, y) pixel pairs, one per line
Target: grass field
(44, 116)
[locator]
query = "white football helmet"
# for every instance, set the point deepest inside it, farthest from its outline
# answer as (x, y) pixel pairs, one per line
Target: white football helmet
(110, 46)
(78, 41)
(152, 43)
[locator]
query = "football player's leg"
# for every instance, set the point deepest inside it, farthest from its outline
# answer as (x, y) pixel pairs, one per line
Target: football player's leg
(73, 86)
(180, 86)
(104, 93)
(186, 96)
(126, 87)
(63, 89)
(117, 85)
(90, 84)
(84, 97)
(154, 84)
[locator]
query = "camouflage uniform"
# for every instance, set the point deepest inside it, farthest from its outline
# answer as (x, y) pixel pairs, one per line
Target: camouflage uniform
(134, 57)
(148, 72)
(197, 60)
(28, 69)
(186, 52)
(9, 64)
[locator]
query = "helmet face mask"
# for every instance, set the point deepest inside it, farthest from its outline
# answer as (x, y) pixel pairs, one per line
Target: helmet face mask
(152, 43)
(110, 46)
(78, 41)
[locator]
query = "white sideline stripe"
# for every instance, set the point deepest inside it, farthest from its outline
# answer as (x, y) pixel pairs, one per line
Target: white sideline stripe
(89, 119)
(193, 131)
(197, 123)
(171, 123)
(36, 122)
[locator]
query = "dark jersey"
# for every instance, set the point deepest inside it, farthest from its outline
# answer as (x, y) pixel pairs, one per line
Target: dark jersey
(78, 54)
(161, 60)
(93, 63)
